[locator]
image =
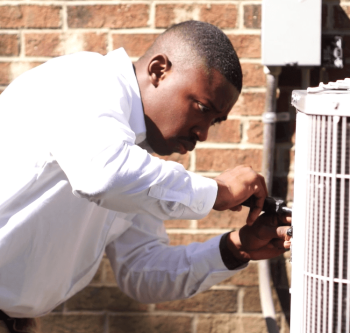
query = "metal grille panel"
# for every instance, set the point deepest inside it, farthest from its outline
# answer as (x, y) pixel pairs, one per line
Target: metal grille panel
(327, 251)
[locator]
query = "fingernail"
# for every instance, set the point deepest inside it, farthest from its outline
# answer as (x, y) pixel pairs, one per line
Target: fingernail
(290, 232)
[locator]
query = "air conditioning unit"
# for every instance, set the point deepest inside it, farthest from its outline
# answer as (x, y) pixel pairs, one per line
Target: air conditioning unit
(320, 284)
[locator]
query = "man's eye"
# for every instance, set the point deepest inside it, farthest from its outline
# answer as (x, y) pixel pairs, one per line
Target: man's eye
(203, 108)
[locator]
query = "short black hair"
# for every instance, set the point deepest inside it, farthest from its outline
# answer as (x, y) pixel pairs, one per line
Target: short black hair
(209, 43)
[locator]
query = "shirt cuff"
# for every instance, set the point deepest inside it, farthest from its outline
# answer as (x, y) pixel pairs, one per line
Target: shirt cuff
(229, 260)
(204, 194)
(208, 264)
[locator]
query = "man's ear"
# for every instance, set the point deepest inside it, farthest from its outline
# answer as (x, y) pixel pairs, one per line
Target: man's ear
(157, 68)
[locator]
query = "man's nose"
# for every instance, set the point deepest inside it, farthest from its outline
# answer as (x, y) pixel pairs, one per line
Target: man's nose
(201, 132)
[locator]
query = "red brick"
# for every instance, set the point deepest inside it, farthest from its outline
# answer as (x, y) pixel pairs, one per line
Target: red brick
(58, 323)
(108, 16)
(9, 71)
(226, 219)
(30, 16)
(251, 300)
(185, 239)
(255, 131)
(223, 16)
(249, 103)
(227, 131)
(98, 275)
(176, 157)
(226, 323)
(209, 301)
(255, 324)
(150, 324)
(341, 16)
(9, 45)
(59, 308)
(246, 277)
(219, 323)
(253, 75)
(47, 44)
(109, 277)
(56, 44)
(252, 16)
(5, 73)
(135, 45)
(95, 42)
(222, 159)
(177, 224)
(103, 298)
(246, 46)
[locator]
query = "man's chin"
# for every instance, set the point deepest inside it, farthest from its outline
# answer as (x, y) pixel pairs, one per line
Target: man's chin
(161, 150)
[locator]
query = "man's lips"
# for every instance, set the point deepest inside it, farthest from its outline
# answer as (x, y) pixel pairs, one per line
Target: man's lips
(187, 145)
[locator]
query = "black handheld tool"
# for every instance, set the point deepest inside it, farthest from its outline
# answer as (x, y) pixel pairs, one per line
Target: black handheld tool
(271, 205)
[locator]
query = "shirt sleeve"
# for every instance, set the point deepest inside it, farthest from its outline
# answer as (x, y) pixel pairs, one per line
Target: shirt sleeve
(149, 270)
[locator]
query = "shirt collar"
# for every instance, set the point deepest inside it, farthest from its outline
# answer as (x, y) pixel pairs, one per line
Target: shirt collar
(137, 119)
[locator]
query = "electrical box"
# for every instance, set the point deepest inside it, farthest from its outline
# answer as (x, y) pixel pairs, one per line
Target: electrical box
(291, 32)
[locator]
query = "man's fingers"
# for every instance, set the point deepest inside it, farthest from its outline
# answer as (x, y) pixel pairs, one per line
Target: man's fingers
(282, 233)
(287, 244)
(266, 252)
(278, 243)
(260, 195)
(284, 220)
(262, 181)
(253, 215)
(271, 232)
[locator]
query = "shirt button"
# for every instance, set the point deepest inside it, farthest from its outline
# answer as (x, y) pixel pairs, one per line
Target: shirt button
(200, 206)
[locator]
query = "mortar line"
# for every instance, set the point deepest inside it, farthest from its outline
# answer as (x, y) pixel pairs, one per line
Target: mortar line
(240, 146)
(193, 224)
(240, 297)
(22, 47)
(110, 46)
(106, 323)
(152, 15)
(240, 16)
(64, 18)
(193, 159)
(194, 323)
(198, 231)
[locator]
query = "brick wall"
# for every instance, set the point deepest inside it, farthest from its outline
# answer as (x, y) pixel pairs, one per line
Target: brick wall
(32, 32)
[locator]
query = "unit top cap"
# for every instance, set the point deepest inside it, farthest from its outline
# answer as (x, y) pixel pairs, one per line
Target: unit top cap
(332, 99)
(338, 85)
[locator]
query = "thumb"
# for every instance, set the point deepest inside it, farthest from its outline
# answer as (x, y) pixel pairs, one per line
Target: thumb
(271, 232)
(282, 233)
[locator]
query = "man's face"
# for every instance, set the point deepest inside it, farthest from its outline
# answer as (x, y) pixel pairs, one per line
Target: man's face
(181, 109)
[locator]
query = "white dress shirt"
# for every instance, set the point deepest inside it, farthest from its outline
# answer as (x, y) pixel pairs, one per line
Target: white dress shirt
(75, 183)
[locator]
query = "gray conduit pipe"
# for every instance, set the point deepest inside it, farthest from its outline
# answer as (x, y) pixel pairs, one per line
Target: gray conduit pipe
(269, 120)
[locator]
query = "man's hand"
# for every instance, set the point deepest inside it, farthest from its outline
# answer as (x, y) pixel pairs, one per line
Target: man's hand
(237, 185)
(266, 238)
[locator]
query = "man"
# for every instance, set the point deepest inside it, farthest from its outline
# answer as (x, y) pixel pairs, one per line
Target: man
(77, 178)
